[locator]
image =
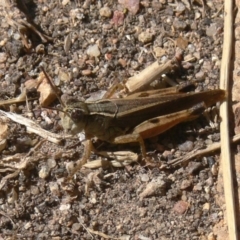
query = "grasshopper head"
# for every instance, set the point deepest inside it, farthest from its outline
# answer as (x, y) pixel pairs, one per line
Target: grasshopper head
(73, 117)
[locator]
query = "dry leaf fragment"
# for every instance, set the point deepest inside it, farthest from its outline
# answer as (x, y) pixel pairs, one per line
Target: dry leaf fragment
(155, 187)
(34, 127)
(47, 95)
(159, 52)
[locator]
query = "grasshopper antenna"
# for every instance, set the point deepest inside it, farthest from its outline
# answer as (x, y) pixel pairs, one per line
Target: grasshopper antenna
(53, 88)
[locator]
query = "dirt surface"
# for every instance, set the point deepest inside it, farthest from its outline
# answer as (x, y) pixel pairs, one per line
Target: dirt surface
(87, 46)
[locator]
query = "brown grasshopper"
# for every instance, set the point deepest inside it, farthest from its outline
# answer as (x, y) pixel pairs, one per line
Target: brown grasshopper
(137, 116)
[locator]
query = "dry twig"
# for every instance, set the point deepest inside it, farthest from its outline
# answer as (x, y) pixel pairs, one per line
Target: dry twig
(198, 153)
(224, 127)
(33, 127)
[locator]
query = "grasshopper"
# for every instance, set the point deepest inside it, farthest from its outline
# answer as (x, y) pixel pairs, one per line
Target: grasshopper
(136, 117)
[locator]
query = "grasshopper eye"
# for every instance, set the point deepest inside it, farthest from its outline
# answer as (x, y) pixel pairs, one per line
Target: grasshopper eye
(76, 115)
(77, 110)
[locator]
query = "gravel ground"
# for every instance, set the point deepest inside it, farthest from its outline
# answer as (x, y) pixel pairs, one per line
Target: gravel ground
(86, 46)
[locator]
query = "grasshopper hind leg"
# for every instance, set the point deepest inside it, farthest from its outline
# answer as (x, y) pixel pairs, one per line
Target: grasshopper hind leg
(158, 125)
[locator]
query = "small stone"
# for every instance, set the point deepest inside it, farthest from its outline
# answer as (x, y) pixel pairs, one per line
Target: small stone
(197, 15)
(132, 6)
(108, 56)
(93, 51)
(45, 9)
(63, 75)
(200, 75)
(16, 36)
(157, 5)
(194, 26)
(65, 2)
(3, 57)
(86, 72)
(34, 190)
(31, 84)
(3, 42)
(2, 66)
(184, 198)
(47, 95)
(159, 52)
(197, 55)
(197, 187)
(145, 37)
(4, 131)
(180, 8)
(193, 167)
(186, 147)
(134, 65)
(75, 72)
(144, 178)
(209, 181)
(142, 212)
(119, 227)
(211, 236)
(206, 207)
(214, 170)
(54, 188)
(166, 153)
(40, 49)
(76, 226)
(174, 193)
(51, 163)
(64, 207)
(12, 196)
(207, 189)
(212, 30)
(70, 166)
(3, 144)
(208, 142)
(122, 62)
(180, 207)
(187, 65)
(28, 225)
(44, 172)
(207, 66)
(157, 187)
(105, 12)
(185, 184)
(180, 25)
(216, 137)
(182, 43)
(118, 18)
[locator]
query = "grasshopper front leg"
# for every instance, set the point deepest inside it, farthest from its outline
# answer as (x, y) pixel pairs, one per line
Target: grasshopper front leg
(86, 155)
